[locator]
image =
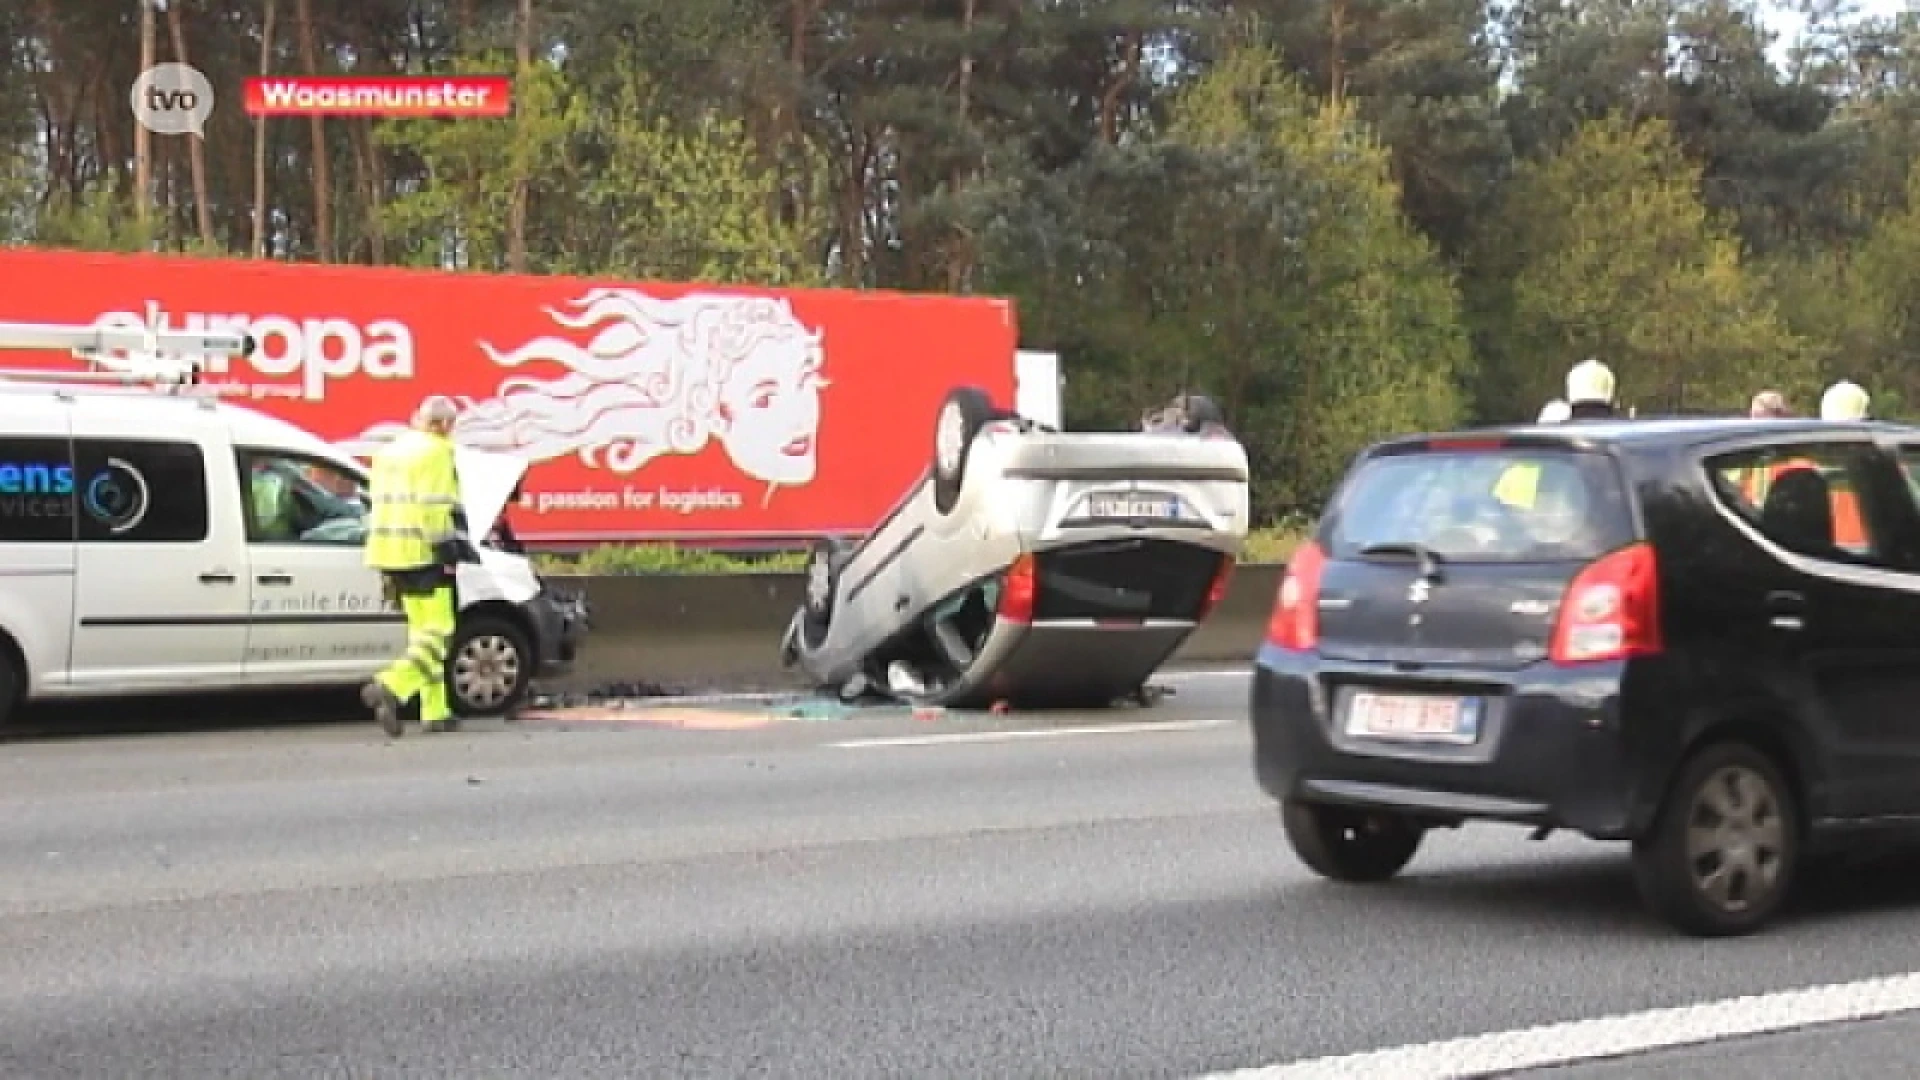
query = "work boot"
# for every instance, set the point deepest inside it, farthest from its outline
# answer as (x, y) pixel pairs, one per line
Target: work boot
(386, 708)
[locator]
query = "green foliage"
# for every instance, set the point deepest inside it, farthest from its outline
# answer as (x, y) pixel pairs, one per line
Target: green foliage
(1343, 218)
(1612, 255)
(459, 216)
(1885, 297)
(620, 560)
(687, 199)
(1305, 301)
(95, 221)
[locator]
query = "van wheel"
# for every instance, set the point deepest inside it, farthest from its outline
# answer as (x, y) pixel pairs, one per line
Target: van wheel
(1724, 849)
(1345, 844)
(823, 586)
(489, 666)
(966, 410)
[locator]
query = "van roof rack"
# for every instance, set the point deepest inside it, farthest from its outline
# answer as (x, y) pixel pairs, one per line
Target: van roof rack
(149, 356)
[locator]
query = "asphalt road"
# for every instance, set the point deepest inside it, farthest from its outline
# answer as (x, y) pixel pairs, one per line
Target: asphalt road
(800, 899)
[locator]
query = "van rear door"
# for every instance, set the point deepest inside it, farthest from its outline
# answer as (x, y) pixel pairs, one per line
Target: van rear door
(36, 538)
(1457, 554)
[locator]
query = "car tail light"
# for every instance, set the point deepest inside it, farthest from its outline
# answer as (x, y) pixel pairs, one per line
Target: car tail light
(1017, 591)
(1296, 613)
(1611, 611)
(1217, 591)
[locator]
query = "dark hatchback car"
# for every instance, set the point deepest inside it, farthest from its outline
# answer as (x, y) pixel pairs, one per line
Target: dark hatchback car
(1701, 636)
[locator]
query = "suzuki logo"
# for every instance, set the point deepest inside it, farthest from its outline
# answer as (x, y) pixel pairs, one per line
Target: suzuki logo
(1419, 591)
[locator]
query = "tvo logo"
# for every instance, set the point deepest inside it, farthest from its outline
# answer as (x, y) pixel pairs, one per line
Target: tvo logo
(172, 99)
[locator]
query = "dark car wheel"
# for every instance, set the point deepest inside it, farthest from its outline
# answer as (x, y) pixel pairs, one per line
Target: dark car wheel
(1724, 849)
(489, 666)
(965, 411)
(822, 585)
(1348, 844)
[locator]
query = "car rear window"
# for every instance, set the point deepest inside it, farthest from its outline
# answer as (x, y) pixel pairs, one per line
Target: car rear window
(1507, 505)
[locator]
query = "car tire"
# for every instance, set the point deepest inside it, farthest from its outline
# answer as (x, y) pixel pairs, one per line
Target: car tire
(1724, 850)
(489, 666)
(1351, 845)
(965, 411)
(822, 587)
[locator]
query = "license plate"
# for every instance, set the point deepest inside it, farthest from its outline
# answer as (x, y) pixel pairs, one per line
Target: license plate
(1413, 719)
(1133, 506)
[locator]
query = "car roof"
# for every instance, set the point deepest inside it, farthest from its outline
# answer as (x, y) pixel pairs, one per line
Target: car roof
(1653, 433)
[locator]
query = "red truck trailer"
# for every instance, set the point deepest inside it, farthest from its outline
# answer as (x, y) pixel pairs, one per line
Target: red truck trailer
(649, 410)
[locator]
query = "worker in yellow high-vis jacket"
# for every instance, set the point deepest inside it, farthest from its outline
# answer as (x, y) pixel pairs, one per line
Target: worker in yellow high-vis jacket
(413, 539)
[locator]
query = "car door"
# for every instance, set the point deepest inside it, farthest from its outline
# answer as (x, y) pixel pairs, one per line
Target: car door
(1834, 623)
(160, 591)
(317, 614)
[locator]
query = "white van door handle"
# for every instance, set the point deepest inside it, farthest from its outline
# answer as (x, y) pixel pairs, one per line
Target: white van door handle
(216, 577)
(275, 577)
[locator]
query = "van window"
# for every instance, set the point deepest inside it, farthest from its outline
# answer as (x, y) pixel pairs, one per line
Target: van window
(36, 491)
(295, 499)
(1504, 505)
(140, 491)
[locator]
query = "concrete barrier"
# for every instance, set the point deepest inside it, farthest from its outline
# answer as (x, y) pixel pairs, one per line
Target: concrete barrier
(724, 630)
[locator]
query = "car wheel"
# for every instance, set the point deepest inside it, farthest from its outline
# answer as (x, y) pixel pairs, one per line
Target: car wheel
(1352, 845)
(489, 666)
(1723, 851)
(966, 410)
(823, 584)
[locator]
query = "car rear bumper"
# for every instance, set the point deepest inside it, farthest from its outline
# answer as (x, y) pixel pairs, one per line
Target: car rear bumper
(1550, 751)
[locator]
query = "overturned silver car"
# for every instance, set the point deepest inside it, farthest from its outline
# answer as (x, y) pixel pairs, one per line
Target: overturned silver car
(1028, 565)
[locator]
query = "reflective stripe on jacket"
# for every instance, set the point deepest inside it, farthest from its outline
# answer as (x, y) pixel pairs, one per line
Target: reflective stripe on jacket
(415, 490)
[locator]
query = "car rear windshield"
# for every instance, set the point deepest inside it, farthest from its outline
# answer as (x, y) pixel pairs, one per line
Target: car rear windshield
(1505, 505)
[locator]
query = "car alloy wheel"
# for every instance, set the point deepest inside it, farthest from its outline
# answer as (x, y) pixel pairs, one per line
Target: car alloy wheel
(486, 671)
(1736, 839)
(1723, 852)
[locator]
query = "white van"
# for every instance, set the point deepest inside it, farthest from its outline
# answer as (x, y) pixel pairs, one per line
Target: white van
(155, 542)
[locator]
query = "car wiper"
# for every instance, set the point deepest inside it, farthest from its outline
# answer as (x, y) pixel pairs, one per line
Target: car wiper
(1430, 560)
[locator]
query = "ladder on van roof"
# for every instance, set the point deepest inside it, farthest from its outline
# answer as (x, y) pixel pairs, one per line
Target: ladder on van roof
(149, 356)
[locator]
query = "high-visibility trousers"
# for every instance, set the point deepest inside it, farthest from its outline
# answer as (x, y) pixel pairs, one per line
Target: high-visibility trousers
(422, 668)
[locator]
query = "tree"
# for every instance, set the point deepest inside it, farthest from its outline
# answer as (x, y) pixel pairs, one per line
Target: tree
(1609, 253)
(196, 147)
(1256, 251)
(1371, 342)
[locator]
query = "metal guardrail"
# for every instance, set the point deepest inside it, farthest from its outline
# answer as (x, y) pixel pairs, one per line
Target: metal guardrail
(724, 630)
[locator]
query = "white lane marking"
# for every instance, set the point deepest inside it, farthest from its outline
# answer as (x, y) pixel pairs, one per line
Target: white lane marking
(1034, 733)
(1502, 1052)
